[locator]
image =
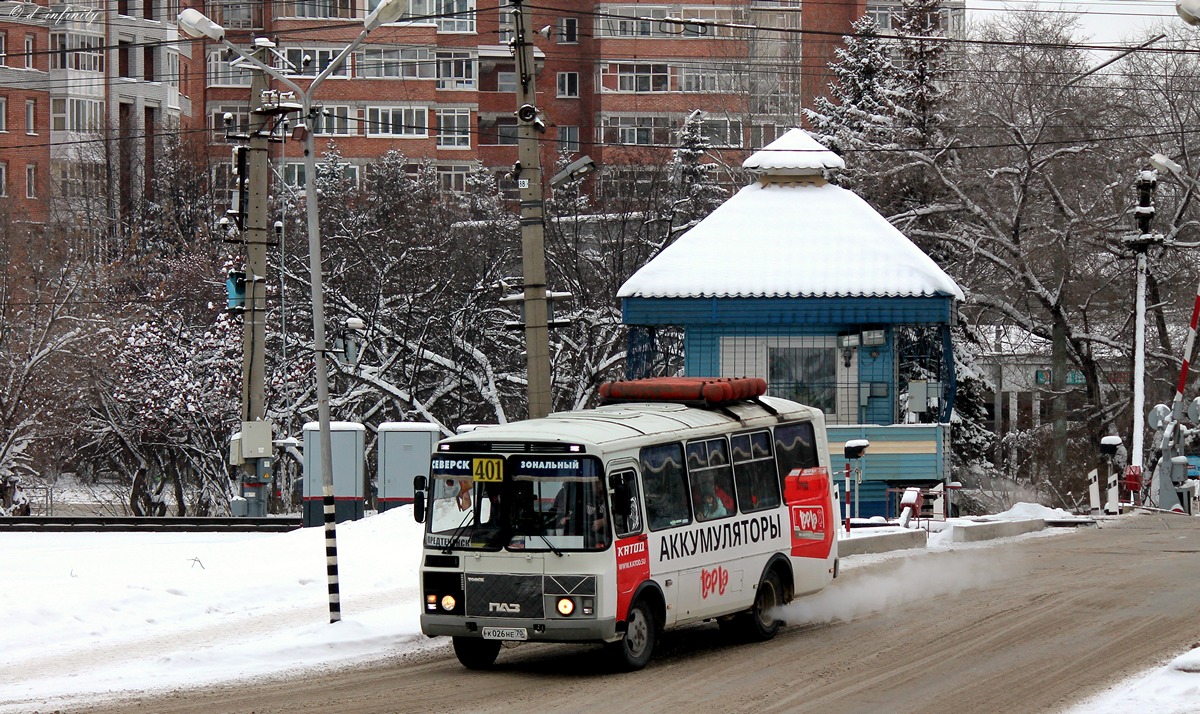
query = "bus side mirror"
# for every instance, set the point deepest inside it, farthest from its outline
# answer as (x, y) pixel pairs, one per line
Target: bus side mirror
(419, 499)
(620, 505)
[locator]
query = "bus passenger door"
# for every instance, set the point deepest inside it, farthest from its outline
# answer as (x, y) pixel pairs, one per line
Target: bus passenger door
(632, 552)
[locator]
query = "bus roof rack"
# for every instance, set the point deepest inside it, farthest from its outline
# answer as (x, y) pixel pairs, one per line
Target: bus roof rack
(703, 391)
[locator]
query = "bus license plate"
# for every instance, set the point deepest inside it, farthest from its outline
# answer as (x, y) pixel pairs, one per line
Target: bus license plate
(505, 633)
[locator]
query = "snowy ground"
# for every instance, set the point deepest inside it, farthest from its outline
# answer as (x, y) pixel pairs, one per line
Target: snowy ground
(94, 615)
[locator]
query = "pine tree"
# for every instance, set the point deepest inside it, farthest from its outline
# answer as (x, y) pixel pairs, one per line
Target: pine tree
(858, 113)
(699, 193)
(921, 82)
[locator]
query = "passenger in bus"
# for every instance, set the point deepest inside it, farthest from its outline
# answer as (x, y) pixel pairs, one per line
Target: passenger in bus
(711, 507)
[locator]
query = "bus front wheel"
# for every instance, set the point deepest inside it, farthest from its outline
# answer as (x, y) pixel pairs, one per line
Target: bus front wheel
(475, 653)
(633, 650)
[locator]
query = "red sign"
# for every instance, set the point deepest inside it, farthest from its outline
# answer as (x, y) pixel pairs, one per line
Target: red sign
(713, 581)
(1133, 478)
(810, 502)
(633, 568)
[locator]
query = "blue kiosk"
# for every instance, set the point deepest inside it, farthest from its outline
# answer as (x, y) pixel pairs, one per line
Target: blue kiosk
(801, 282)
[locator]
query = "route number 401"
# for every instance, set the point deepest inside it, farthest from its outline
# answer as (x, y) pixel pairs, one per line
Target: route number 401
(487, 470)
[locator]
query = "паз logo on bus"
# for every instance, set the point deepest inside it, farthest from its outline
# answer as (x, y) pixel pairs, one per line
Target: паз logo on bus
(713, 581)
(808, 522)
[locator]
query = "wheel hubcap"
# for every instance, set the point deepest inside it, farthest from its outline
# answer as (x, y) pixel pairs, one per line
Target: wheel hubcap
(636, 634)
(766, 603)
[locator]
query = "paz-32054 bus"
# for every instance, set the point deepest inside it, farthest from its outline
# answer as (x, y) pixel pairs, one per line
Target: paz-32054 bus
(688, 500)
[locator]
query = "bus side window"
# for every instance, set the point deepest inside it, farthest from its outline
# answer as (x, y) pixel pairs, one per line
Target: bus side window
(795, 447)
(711, 479)
(631, 524)
(665, 484)
(754, 472)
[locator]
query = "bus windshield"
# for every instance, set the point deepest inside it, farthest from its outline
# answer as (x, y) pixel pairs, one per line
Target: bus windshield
(486, 502)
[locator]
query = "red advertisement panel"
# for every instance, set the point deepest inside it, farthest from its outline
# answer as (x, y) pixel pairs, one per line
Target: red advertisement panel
(808, 498)
(633, 568)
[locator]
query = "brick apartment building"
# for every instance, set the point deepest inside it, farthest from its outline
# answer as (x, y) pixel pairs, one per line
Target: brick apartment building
(615, 81)
(86, 91)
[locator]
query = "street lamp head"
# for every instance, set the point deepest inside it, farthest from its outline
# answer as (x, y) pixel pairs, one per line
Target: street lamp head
(1162, 163)
(1188, 10)
(196, 24)
(386, 11)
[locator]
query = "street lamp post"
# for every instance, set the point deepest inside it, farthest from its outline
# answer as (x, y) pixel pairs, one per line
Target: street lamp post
(196, 24)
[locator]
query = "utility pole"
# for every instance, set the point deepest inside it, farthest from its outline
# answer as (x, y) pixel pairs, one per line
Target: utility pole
(1140, 244)
(528, 173)
(255, 447)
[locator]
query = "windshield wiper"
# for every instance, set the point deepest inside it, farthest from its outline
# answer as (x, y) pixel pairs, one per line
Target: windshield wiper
(454, 536)
(550, 545)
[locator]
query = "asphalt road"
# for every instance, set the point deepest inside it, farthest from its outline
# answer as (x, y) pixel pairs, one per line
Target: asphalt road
(1028, 626)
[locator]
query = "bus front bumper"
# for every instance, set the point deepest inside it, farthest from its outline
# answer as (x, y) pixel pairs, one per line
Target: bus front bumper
(536, 630)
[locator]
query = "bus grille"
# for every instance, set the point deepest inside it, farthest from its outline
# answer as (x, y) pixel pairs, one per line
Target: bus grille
(499, 595)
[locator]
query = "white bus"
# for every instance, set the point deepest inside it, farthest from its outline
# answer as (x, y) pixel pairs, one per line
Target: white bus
(612, 524)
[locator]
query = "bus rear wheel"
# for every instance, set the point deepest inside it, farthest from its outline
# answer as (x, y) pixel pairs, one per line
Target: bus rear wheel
(633, 651)
(475, 653)
(759, 624)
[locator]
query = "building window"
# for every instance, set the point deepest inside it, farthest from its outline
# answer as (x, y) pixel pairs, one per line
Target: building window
(293, 174)
(318, 60)
(30, 180)
(3, 49)
(30, 46)
(73, 51)
(455, 70)
(239, 119)
(149, 68)
(506, 132)
(506, 81)
(222, 73)
(568, 139)
(333, 121)
(453, 178)
(456, 15)
(31, 116)
(317, 8)
(3, 178)
(507, 26)
(172, 71)
(125, 59)
(708, 79)
(638, 130)
(409, 122)
(454, 128)
(642, 77)
(4, 114)
(398, 63)
(644, 21)
(723, 133)
(233, 15)
(568, 30)
(568, 84)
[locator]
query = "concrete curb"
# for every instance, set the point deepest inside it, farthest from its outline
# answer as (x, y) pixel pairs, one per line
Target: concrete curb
(881, 543)
(971, 532)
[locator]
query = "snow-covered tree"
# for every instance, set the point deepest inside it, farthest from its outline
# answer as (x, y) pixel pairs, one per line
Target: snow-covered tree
(858, 111)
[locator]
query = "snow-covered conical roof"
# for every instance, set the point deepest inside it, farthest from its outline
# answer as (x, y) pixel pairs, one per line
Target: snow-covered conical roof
(795, 237)
(793, 154)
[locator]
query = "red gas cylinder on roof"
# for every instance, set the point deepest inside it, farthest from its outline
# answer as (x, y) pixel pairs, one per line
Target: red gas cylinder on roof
(711, 390)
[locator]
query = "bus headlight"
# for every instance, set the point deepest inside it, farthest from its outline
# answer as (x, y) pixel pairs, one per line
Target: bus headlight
(566, 606)
(448, 602)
